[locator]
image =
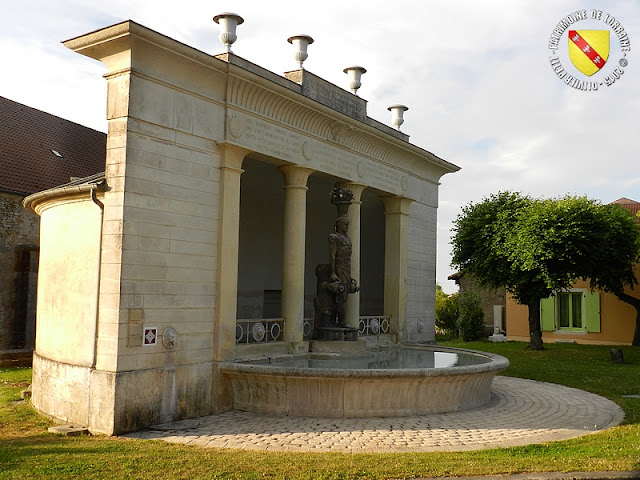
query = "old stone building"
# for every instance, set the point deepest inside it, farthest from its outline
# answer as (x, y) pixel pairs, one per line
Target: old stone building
(199, 244)
(37, 151)
(489, 298)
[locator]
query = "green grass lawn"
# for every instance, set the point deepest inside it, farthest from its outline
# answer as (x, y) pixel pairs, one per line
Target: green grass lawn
(27, 451)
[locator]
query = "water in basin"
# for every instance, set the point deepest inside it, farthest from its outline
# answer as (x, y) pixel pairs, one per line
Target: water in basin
(389, 382)
(390, 359)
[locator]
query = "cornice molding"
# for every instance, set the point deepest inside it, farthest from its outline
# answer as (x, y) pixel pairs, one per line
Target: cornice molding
(311, 118)
(41, 201)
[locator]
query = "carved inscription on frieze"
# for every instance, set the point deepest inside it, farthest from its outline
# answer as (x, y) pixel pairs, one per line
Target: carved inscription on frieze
(383, 177)
(278, 142)
(272, 140)
(332, 160)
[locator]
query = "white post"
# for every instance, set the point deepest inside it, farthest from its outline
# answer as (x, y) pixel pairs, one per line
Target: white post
(497, 325)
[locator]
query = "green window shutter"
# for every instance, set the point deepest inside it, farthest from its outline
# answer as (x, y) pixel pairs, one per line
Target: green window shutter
(548, 314)
(592, 304)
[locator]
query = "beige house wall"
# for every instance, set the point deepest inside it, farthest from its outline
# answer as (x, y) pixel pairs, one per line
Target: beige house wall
(70, 260)
(181, 124)
(617, 321)
(68, 281)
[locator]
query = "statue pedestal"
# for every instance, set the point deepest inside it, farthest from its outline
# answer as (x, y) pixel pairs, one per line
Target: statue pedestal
(345, 334)
(497, 338)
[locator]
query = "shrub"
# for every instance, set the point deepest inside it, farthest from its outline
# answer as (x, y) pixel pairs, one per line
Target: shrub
(446, 312)
(471, 317)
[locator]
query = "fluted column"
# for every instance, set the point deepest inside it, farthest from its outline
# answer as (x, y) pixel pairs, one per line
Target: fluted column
(293, 255)
(229, 226)
(396, 210)
(352, 309)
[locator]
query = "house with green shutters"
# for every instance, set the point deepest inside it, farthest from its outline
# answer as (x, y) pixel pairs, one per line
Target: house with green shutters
(579, 315)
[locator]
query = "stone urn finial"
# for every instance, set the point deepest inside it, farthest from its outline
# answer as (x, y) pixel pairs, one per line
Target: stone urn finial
(355, 74)
(228, 23)
(397, 114)
(300, 42)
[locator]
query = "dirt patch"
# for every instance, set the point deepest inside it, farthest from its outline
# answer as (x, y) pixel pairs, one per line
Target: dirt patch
(7, 383)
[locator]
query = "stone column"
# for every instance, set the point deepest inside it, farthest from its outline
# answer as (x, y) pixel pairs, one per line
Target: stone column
(395, 261)
(224, 328)
(293, 254)
(352, 310)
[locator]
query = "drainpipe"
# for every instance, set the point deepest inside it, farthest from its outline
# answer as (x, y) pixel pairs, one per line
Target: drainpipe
(92, 367)
(94, 199)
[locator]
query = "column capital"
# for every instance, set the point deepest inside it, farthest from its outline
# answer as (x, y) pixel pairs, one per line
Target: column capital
(295, 175)
(396, 204)
(356, 188)
(232, 155)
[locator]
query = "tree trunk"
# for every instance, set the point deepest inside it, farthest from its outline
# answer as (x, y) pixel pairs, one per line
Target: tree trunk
(635, 303)
(535, 332)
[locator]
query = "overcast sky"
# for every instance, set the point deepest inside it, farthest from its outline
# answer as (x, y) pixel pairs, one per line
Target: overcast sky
(476, 77)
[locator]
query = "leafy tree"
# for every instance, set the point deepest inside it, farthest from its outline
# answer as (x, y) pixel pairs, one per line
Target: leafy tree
(471, 318)
(446, 311)
(483, 247)
(613, 258)
(575, 237)
(535, 247)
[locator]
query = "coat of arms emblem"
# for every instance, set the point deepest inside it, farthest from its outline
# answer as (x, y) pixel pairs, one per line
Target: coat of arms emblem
(588, 50)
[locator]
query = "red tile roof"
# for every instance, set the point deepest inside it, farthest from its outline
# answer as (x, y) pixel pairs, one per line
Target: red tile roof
(631, 205)
(28, 139)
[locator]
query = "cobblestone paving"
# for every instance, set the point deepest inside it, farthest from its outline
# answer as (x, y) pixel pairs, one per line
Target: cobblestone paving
(520, 412)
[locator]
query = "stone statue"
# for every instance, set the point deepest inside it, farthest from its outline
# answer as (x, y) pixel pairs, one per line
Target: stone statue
(340, 267)
(334, 282)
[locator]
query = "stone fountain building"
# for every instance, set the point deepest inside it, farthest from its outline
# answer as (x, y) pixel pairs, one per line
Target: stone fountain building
(199, 242)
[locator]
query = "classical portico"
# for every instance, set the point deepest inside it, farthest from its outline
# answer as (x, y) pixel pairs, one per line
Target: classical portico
(215, 211)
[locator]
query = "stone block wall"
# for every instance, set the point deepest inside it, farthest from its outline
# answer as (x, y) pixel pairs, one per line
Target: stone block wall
(421, 272)
(19, 240)
(160, 270)
(159, 255)
(488, 298)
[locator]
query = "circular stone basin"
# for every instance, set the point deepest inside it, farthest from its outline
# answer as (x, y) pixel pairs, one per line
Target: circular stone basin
(399, 381)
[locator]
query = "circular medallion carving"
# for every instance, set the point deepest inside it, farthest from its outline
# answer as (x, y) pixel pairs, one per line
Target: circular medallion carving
(375, 326)
(258, 332)
(169, 337)
(307, 151)
(404, 183)
(236, 126)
